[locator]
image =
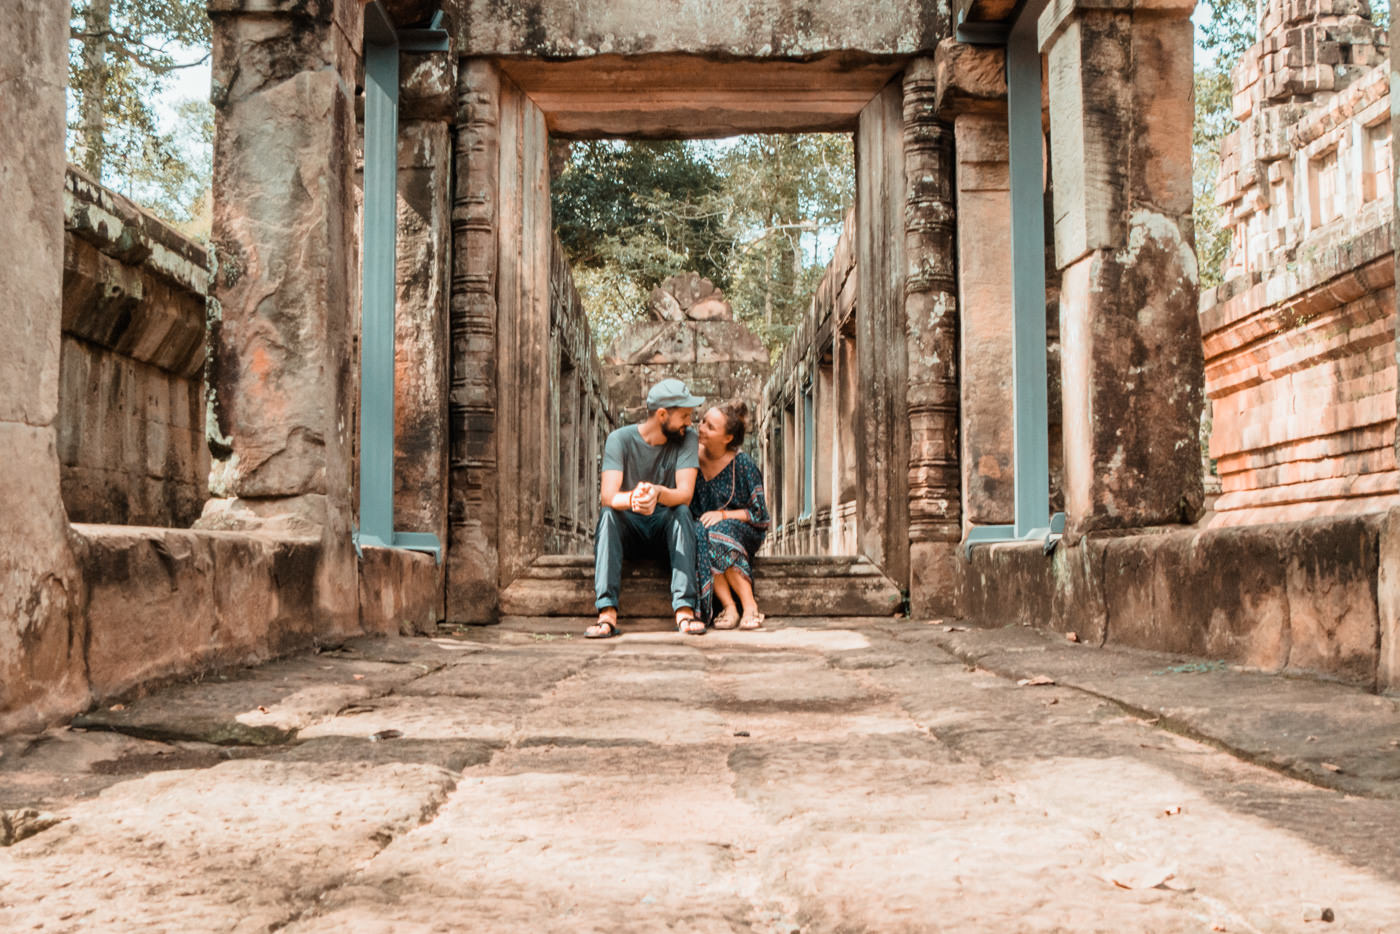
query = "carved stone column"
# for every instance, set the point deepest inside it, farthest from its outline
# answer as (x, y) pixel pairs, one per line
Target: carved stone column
(41, 632)
(931, 320)
(282, 368)
(1120, 91)
(972, 96)
(472, 554)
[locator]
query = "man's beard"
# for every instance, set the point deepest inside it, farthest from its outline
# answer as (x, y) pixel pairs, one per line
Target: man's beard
(673, 434)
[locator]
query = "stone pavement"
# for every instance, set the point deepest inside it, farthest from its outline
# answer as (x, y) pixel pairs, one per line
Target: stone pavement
(838, 776)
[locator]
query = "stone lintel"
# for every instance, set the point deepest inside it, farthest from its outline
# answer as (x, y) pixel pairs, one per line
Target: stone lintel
(317, 10)
(968, 79)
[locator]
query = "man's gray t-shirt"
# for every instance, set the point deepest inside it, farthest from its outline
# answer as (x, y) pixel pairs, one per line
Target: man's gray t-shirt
(626, 450)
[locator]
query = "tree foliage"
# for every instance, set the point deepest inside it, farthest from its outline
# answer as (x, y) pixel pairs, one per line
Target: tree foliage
(122, 56)
(1225, 29)
(757, 215)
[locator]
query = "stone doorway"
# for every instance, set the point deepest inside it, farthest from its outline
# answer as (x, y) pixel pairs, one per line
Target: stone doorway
(529, 408)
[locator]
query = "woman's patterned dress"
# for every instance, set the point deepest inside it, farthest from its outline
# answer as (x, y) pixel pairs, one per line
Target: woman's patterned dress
(730, 543)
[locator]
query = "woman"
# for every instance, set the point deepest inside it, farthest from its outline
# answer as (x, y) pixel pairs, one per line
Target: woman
(728, 501)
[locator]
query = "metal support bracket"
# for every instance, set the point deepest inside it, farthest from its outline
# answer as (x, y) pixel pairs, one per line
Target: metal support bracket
(379, 244)
(1049, 535)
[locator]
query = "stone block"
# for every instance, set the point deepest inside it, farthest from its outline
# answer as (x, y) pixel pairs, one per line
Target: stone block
(1388, 603)
(710, 309)
(1009, 584)
(42, 636)
(968, 79)
(1132, 365)
(31, 226)
(1332, 567)
(427, 86)
(1092, 122)
(401, 592)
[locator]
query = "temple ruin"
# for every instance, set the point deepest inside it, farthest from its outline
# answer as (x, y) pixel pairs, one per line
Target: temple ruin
(992, 410)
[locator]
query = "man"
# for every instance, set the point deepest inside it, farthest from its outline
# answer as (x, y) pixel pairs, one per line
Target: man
(648, 478)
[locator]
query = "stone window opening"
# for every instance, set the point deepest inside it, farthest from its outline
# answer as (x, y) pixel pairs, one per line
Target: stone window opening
(1324, 188)
(1375, 160)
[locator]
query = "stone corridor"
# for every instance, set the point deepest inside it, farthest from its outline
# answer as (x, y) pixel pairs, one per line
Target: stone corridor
(851, 776)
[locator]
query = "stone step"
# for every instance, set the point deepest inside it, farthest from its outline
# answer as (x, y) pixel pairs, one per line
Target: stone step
(562, 585)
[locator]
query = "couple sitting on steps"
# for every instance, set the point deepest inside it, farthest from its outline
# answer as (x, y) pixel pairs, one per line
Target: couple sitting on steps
(695, 498)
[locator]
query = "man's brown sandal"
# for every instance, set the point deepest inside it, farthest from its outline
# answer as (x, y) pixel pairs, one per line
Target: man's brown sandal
(605, 628)
(690, 626)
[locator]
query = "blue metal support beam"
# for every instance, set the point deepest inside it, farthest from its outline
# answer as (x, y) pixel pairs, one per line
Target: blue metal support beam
(1028, 356)
(379, 245)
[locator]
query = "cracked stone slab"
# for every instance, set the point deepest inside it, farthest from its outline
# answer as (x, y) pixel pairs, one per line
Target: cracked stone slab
(1331, 734)
(519, 673)
(239, 847)
(255, 707)
(442, 718)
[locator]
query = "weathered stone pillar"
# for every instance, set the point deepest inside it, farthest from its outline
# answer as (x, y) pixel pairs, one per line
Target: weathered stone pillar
(284, 236)
(428, 100)
(472, 554)
(1120, 90)
(972, 96)
(1388, 587)
(41, 630)
(931, 319)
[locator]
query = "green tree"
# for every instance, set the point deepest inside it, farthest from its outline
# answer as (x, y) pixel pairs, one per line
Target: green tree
(630, 214)
(1225, 29)
(122, 55)
(757, 215)
(784, 198)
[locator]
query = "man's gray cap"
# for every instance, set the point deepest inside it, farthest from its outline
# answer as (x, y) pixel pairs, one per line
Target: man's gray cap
(672, 394)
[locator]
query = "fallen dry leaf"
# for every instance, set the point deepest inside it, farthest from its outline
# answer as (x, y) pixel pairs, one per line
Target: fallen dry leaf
(955, 629)
(1072, 636)
(1217, 927)
(359, 677)
(1037, 681)
(1052, 702)
(1173, 810)
(1331, 768)
(1140, 874)
(117, 707)
(262, 709)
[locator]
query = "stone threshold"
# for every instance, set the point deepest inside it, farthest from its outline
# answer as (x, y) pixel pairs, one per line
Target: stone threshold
(1329, 734)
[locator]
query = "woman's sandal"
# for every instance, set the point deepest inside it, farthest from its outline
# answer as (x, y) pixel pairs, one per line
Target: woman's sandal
(690, 626)
(728, 618)
(751, 621)
(605, 628)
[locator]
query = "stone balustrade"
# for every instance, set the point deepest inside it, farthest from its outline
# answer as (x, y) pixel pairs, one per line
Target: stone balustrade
(807, 420)
(131, 403)
(1299, 339)
(580, 416)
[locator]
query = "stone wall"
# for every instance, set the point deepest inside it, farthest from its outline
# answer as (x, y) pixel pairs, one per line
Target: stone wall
(815, 372)
(1295, 596)
(692, 336)
(131, 402)
(1299, 339)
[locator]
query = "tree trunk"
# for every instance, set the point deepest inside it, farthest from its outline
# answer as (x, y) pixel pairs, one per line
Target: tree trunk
(97, 27)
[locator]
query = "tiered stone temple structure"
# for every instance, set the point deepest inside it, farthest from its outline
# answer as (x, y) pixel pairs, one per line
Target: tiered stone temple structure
(1300, 337)
(403, 405)
(691, 334)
